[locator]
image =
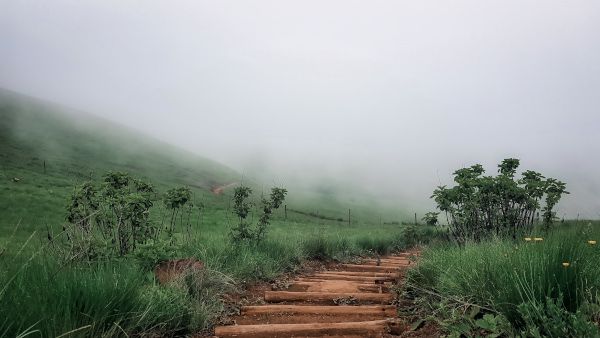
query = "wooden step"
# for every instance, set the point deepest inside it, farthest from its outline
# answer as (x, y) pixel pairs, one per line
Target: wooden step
(336, 286)
(359, 273)
(326, 297)
(374, 328)
(370, 268)
(386, 310)
(325, 286)
(374, 280)
(389, 261)
(396, 265)
(304, 318)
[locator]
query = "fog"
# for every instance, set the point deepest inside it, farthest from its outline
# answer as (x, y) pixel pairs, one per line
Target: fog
(392, 96)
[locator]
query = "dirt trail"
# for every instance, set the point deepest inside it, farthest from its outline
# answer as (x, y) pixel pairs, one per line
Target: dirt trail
(219, 189)
(353, 300)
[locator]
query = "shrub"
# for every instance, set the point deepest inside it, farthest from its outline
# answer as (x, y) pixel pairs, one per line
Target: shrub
(112, 219)
(431, 218)
(549, 318)
(244, 231)
(176, 200)
(480, 206)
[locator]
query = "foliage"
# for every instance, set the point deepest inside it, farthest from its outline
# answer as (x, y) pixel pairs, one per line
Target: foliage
(41, 298)
(549, 318)
(431, 218)
(479, 206)
(526, 283)
(143, 308)
(244, 231)
(118, 211)
(554, 190)
(178, 201)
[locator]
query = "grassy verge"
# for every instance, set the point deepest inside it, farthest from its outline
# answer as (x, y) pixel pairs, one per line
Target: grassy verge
(547, 287)
(42, 298)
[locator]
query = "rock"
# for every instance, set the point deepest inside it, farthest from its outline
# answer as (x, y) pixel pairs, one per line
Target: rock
(167, 271)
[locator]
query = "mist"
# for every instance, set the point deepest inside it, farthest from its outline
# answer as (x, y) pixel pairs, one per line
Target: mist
(389, 97)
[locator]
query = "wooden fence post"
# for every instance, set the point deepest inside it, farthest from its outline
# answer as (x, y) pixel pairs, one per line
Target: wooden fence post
(349, 221)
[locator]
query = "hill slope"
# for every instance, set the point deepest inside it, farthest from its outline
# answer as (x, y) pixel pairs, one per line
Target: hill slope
(46, 149)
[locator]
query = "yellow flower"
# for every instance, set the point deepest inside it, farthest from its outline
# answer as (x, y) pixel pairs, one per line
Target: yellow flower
(592, 242)
(566, 264)
(538, 239)
(527, 239)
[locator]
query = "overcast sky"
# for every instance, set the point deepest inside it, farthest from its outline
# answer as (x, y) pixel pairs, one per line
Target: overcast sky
(394, 95)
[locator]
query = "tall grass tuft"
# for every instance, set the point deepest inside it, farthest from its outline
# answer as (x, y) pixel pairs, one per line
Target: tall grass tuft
(520, 280)
(44, 299)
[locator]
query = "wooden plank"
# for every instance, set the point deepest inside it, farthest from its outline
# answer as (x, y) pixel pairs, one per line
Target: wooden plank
(385, 310)
(284, 296)
(365, 329)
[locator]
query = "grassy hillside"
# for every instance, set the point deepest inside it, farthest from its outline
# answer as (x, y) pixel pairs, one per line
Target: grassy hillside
(46, 149)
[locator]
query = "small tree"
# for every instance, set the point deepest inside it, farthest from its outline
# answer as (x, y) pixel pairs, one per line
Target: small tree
(554, 190)
(175, 200)
(244, 231)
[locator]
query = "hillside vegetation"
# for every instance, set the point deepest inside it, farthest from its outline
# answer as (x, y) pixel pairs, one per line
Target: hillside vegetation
(46, 149)
(49, 156)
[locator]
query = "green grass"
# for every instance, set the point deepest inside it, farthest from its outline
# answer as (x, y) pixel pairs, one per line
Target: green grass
(76, 147)
(45, 150)
(41, 298)
(523, 281)
(46, 299)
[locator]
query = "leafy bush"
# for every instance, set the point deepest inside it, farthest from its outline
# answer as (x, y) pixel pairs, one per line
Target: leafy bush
(113, 219)
(114, 216)
(431, 218)
(176, 200)
(480, 206)
(244, 231)
(550, 319)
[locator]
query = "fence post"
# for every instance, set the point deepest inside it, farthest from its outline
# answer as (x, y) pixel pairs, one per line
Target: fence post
(349, 222)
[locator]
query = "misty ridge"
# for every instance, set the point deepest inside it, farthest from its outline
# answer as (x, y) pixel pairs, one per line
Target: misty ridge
(334, 168)
(365, 102)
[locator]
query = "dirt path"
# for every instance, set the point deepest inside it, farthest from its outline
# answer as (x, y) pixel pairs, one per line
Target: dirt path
(219, 189)
(352, 300)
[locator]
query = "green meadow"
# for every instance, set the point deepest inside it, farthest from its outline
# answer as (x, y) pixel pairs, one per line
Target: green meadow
(46, 151)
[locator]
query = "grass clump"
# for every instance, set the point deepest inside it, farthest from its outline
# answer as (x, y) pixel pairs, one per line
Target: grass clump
(328, 248)
(538, 285)
(42, 298)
